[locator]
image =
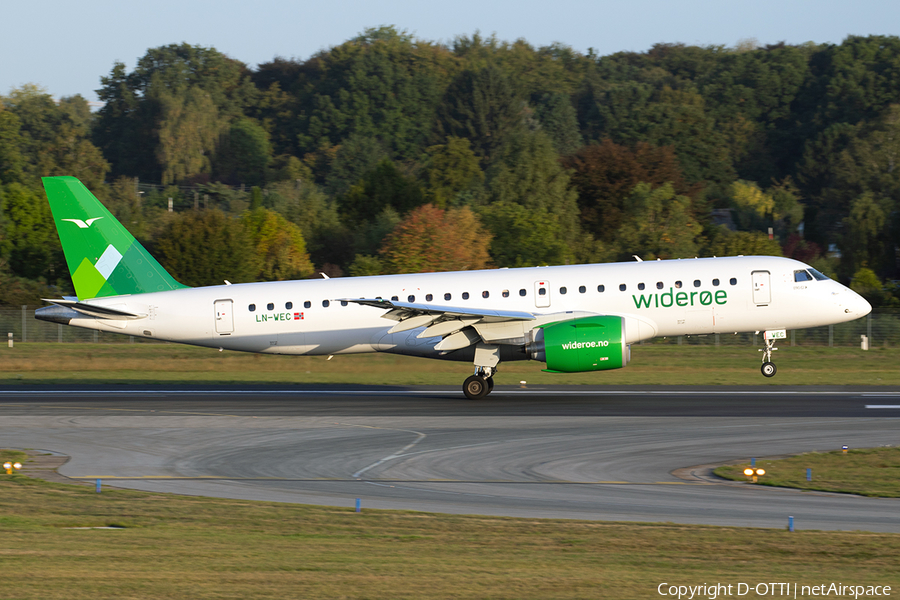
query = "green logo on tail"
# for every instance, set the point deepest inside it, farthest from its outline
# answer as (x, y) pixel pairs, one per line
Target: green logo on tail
(103, 258)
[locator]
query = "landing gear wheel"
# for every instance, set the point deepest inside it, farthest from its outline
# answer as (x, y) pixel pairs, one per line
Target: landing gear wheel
(768, 369)
(476, 387)
(490, 383)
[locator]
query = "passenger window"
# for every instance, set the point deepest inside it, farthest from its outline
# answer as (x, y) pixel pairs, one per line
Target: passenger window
(505, 293)
(733, 281)
(622, 287)
(522, 292)
(270, 306)
(640, 286)
(485, 294)
(395, 298)
(447, 296)
(802, 276)
(428, 297)
(696, 283)
(410, 298)
(715, 283)
(326, 303)
(659, 285)
(563, 290)
(252, 308)
(601, 288)
(465, 295)
(677, 285)
(288, 305)
(344, 303)
(307, 304)
(581, 289)
(542, 292)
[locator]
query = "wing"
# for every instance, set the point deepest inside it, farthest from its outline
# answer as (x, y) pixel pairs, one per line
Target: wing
(459, 327)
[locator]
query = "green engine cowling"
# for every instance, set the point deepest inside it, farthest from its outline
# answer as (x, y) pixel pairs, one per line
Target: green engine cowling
(585, 344)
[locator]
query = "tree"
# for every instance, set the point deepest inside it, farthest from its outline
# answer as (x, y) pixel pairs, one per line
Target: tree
(177, 101)
(559, 121)
(243, 154)
(355, 157)
(866, 283)
(364, 264)
(746, 243)
(863, 244)
(529, 174)
(31, 244)
(753, 207)
(659, 224)
(481, 106)
(382, 187)
(278, 245)
(452, 175)
(12, 163)
(523, 237)
(189, 131)
(382, 84)
(431, 239)
(124, 202)
(604, 175)
(206, 248)
(51, 143)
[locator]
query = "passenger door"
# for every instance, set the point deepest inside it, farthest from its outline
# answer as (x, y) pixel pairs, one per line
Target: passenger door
(224, 317)
(762, 292)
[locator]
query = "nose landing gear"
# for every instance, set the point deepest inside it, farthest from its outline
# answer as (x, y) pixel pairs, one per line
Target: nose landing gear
(768, 368)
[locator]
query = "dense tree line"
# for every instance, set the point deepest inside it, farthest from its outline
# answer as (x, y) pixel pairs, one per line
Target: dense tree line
(389, 153)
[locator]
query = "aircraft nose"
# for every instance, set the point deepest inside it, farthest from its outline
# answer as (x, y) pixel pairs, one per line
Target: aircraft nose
(856, 305)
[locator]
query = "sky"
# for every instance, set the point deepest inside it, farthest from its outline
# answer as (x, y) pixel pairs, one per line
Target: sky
(66, 47)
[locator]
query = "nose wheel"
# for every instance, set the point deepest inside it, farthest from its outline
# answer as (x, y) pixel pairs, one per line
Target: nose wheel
(768, 368)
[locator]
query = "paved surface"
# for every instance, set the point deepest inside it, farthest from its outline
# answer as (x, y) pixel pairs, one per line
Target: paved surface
(566, 452)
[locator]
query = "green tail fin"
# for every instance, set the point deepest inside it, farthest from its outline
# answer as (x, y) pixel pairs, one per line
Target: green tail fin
(103, 258)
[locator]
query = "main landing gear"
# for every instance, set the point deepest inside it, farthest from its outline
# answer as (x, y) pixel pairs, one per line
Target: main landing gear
(768, 367)
(480, 384)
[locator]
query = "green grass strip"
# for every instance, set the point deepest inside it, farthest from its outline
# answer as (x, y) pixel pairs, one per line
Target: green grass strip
(652, 364)
(867, 472)
(193, 547)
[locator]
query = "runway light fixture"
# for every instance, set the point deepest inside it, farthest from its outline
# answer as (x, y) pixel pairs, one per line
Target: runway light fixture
(754, 473)
(9, 466)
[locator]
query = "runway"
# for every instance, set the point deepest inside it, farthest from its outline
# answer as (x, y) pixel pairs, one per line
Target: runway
(557, 452)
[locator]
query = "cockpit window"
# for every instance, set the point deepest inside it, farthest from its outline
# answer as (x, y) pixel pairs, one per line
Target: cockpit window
(818, 275)
(802, 275)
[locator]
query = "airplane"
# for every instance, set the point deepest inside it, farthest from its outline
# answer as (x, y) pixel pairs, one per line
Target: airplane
(574, 318)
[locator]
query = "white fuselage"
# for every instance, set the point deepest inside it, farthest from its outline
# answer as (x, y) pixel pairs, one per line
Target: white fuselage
(659, 298)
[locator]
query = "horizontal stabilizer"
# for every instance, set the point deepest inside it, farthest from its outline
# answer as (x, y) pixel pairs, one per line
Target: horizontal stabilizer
(100, 312)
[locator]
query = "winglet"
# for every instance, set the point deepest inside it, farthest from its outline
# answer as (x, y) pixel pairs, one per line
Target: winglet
(103, 258)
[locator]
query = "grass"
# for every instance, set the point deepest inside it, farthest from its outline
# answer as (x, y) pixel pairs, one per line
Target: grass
(12, 456)
(193, 547)
(867, 472)
(652, 364)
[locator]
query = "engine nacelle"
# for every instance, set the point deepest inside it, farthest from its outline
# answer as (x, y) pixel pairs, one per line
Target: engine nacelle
(585, 344)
